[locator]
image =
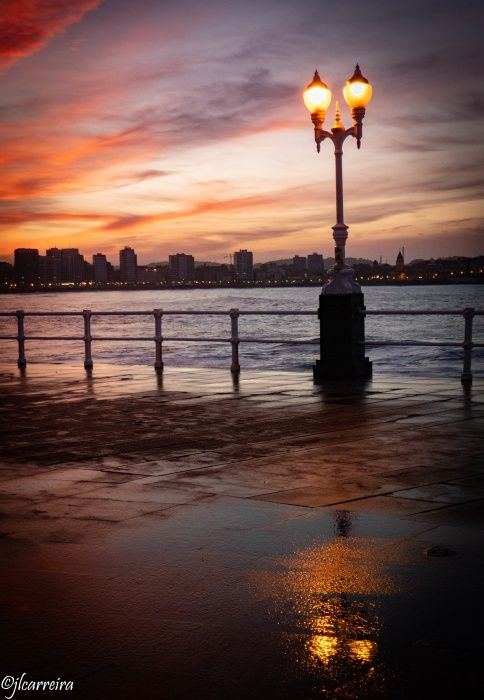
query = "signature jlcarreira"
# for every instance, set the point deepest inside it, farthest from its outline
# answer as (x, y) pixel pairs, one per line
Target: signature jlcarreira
(12, 684)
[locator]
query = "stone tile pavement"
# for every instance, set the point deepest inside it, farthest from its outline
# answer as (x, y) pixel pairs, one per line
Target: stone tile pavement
(202, 538)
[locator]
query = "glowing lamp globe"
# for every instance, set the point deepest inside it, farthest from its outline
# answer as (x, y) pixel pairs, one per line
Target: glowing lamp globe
(317, 95)
(357, 91)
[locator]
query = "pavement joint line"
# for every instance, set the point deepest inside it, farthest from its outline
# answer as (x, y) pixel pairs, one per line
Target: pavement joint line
(326, 505)
(213, 467)
(429, 483)
(415, 535)
(159, 508)
(463, 478)
(375, 495)
(448, 506)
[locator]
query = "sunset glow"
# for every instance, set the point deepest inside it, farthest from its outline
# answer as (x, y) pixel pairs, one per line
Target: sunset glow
(169, 126)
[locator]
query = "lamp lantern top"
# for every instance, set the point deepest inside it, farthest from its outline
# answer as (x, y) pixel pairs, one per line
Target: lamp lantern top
(357, 76)
(317, 95)
(357, 91)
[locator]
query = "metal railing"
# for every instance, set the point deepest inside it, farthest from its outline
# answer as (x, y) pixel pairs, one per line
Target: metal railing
(234, 339)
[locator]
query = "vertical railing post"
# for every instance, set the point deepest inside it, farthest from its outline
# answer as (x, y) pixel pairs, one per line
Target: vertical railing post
(158, 313)
(234, 340)
(21, 362)
(87, 339)
(466, 375)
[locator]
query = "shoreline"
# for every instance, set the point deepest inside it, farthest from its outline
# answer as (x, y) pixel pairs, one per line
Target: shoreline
(255, 285)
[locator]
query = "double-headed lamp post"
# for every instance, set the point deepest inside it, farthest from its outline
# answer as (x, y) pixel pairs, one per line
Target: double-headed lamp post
(341, 302)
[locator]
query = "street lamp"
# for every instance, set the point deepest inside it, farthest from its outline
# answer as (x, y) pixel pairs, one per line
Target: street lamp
(317, 98)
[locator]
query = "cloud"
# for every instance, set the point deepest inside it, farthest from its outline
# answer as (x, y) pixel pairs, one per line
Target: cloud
(60, 151)
(125, 222)
(27, 25)
(111, 222)
(43, 164)
(22, 216)
(129, 178)
(129, 221)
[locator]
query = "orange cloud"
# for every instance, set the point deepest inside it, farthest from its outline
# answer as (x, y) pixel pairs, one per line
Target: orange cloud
(42, 165)
(24, 216)
(134, 221)
(27, 25)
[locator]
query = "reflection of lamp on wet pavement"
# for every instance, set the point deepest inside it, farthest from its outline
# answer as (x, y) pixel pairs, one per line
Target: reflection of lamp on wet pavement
(341, 300)
(342, 522)
(336, 591)
(328, 600)
(342, 628)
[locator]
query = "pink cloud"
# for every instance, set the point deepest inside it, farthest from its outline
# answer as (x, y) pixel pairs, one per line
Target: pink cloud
(27, 25)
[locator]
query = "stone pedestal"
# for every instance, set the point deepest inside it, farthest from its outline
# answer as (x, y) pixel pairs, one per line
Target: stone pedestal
(342, 329)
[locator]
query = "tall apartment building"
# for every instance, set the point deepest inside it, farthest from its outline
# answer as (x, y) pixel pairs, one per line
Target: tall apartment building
(182, 267)
(100, 265)
(244, 266)
(72, 265)
(52, 266)
(27, 265)
(299, 265)
(128, 265)
(315, 264)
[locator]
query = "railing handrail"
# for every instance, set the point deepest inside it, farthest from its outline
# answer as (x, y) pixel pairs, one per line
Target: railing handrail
(467, 344)
(252, 312)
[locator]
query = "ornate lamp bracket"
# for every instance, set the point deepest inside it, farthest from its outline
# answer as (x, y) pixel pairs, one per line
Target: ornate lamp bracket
(337, 136)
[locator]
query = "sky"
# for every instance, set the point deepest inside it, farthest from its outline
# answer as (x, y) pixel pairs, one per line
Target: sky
(178, 126)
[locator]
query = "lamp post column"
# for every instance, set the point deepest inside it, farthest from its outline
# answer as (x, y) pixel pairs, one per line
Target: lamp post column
(340, 230)
(341, 303)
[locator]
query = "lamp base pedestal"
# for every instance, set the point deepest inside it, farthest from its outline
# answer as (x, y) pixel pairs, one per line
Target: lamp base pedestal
(342, 328)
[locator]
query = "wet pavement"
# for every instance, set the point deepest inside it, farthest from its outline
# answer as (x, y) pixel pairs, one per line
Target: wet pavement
(188, 537)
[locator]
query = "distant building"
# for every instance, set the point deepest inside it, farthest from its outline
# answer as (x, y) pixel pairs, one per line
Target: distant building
(182, 267)
(72, 265)
(212, 273)
(315, 265)
(27, 266)
(7, 273)
(400, 266)
(52, 266)
(47, 270)
(244, 266)
(151, 274)
(87, 271)
(100, 265)
(268, 272)
(128, 265)
(299, 265)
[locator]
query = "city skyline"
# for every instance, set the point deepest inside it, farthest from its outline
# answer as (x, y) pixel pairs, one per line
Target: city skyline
(222, 259)
(181, 126)
(229, 259)
(67, 267)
